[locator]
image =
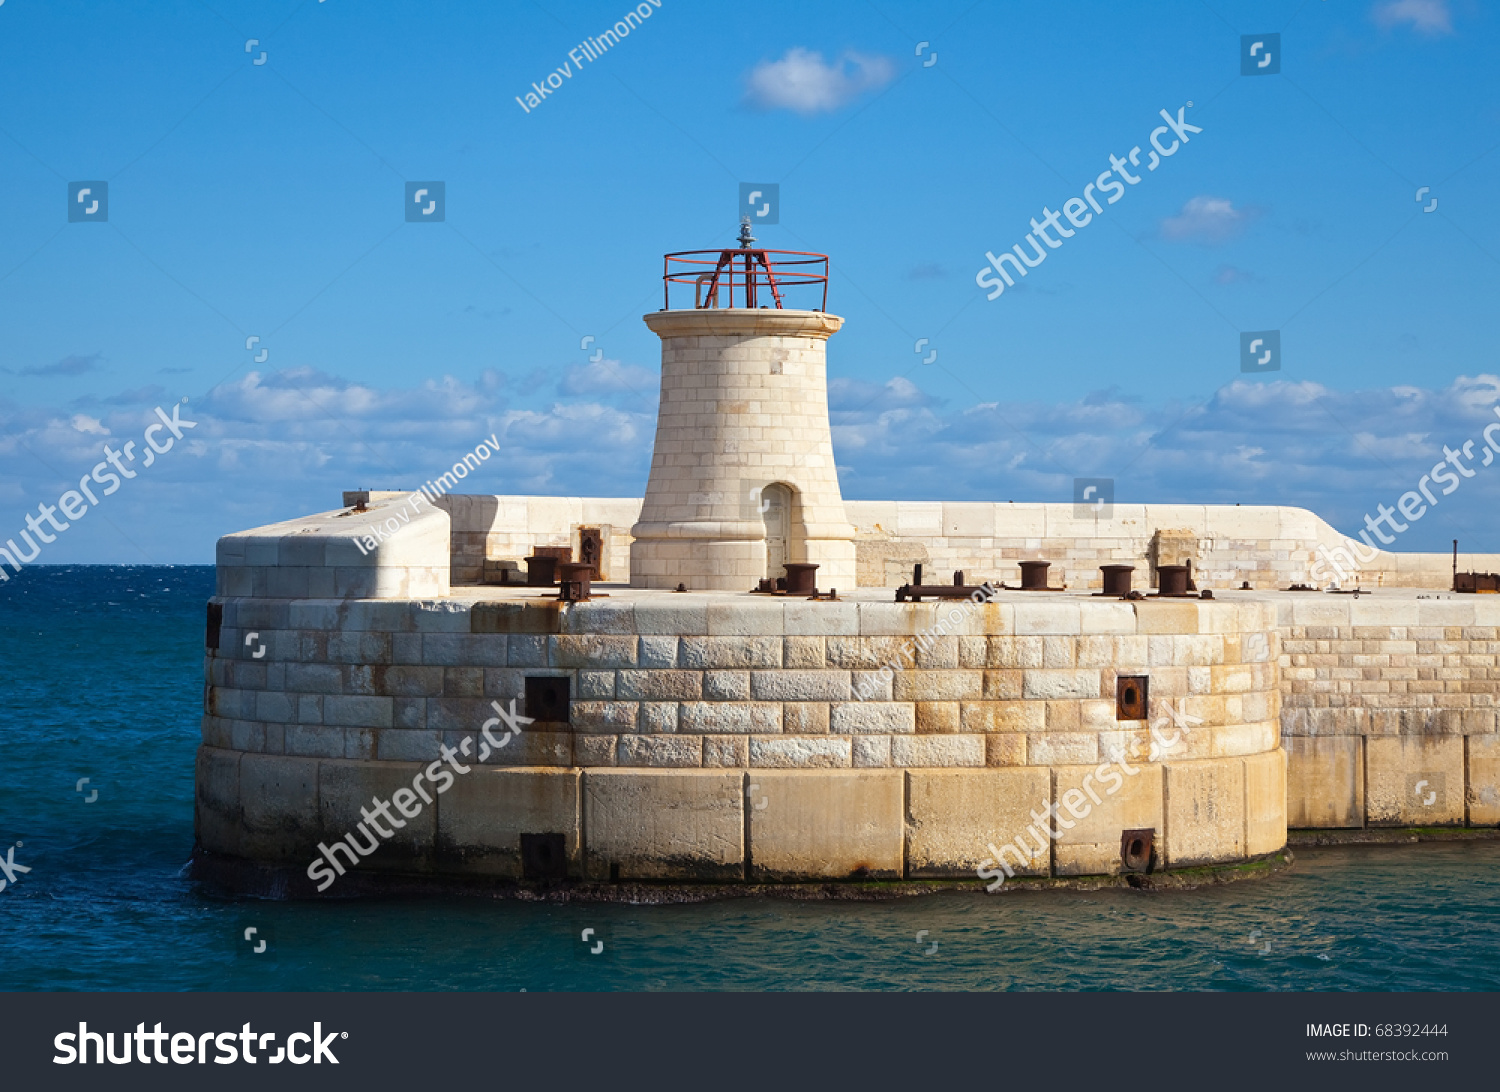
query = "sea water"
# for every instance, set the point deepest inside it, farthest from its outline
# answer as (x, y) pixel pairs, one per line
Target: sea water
(104, 681)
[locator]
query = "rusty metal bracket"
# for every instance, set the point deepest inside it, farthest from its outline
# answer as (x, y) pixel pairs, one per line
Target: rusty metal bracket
(1138, 850)
(914, 591)
(1132, 697)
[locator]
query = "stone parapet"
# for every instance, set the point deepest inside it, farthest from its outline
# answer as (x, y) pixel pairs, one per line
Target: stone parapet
(397, 548)
(1269, 547)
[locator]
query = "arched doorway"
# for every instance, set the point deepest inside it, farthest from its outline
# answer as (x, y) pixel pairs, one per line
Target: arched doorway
(776, 510)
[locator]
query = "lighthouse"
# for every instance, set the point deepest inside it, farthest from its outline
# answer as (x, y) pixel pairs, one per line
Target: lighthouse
(742, 479)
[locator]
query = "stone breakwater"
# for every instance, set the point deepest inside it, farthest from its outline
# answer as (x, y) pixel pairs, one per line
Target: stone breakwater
(718, 738)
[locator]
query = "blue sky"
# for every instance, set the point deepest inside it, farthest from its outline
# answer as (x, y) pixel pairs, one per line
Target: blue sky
(266, 200)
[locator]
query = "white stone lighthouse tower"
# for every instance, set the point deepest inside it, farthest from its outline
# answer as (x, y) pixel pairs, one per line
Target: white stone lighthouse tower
(742, 475)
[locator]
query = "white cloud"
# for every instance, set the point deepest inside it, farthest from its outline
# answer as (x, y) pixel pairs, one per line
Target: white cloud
(577, 425)
(607, 376)
(856, 396)
(1430, 17)
(263, 451)
(1476, 393)
(803, 82)
(310, 396)
(1338, 453)
(1206, 220)
(270, 446)
(1410, 445)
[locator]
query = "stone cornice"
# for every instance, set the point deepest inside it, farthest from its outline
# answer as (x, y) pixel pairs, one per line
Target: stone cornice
(739, 322)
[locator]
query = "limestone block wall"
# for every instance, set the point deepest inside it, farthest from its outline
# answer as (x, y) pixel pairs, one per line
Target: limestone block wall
(511, 527)
(1340, 560)
(1389, 710)
(399, 547)
(1268, 546)
(755, 683)
(721, 738)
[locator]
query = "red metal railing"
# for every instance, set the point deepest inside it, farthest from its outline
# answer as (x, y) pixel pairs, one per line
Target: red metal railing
(759, 278)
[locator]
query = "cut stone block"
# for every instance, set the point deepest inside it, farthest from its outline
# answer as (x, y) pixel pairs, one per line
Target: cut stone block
(937, 750)
(482, 816)
(1325, 782)
(805, 753)
(278, 806)
(1484, 780)
(1414, 781)
(873, 718)
(954, 816)
(1205, 812)
(663, 750)
(663, 825)
(345, 787)
(1265, 802)
(216, 811)
(1091, 845)
(825, 825)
